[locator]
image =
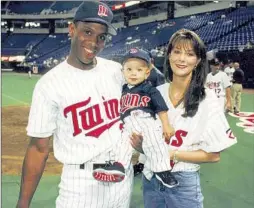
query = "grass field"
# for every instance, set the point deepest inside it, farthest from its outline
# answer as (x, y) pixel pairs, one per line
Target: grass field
(227, 184)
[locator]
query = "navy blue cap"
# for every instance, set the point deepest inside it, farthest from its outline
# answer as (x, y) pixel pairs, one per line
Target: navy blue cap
(214, 62)
(93, 11)
(138, 53)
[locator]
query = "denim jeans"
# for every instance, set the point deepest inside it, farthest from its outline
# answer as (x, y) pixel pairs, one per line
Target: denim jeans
(186, 195)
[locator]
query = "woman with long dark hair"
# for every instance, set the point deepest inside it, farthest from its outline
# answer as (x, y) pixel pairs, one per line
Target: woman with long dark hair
(201, 128)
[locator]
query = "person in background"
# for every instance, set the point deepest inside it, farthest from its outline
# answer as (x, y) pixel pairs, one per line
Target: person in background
(229, 70)
(156, 77)
(30, 69)
(219, 82)
(237, 88)
(222, 66)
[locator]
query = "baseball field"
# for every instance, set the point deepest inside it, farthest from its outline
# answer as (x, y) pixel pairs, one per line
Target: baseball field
(227, 184)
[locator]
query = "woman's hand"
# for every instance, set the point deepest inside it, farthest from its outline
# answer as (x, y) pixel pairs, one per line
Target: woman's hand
(136, 142)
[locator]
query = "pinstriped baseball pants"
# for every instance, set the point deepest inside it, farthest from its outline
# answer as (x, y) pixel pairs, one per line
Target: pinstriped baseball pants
(155, 148)
(78, 189)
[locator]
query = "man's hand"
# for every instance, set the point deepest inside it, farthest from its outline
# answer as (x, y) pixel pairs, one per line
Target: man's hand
(135, 158)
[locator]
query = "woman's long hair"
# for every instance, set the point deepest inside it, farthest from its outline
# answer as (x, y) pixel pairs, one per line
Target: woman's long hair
(196, 90)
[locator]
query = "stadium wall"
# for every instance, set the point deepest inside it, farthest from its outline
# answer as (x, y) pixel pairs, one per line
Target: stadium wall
(151, 18)
(30, 31)
(180, 12)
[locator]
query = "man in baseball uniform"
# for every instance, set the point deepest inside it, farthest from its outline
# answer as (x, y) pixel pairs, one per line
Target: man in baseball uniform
(219, 81)
(78, 103)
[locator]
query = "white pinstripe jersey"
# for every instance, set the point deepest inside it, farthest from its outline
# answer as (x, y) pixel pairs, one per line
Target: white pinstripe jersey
(208, 130)
(80, 108)
(218, 82)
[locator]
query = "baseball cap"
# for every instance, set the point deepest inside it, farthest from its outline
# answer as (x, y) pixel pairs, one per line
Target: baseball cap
(214, 62)
(93, 11)
(138, 53)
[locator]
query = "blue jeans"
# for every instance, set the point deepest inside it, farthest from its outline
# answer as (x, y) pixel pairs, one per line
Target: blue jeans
(186, 195)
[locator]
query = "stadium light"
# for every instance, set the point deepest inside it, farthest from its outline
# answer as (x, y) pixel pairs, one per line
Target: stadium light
(124, 5)
(130, 3)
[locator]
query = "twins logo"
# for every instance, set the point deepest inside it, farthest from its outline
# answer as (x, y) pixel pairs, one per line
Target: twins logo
(91, 118)
(213, 85)
(102, 11)
(246, 121)
(129, 101)
(177, 141)
(133, 50)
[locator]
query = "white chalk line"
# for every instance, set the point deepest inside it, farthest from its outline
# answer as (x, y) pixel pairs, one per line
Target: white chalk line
(12, 98)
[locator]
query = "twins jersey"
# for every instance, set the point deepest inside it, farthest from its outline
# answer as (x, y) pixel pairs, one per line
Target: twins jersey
(229, 71)
(143, 97)
(218, 82)
(208, 130)
(80, 108)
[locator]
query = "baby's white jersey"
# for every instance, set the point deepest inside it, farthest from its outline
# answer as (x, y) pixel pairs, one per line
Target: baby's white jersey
(208, 130)
(229, 71)
(81, 109)
(218, 82)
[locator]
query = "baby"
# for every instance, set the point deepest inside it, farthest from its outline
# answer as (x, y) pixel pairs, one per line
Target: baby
(140, 103)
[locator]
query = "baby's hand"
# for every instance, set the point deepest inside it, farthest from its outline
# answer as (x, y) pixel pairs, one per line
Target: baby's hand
(168, 132)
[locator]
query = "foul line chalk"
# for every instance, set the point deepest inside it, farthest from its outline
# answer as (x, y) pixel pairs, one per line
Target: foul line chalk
(12, 98)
